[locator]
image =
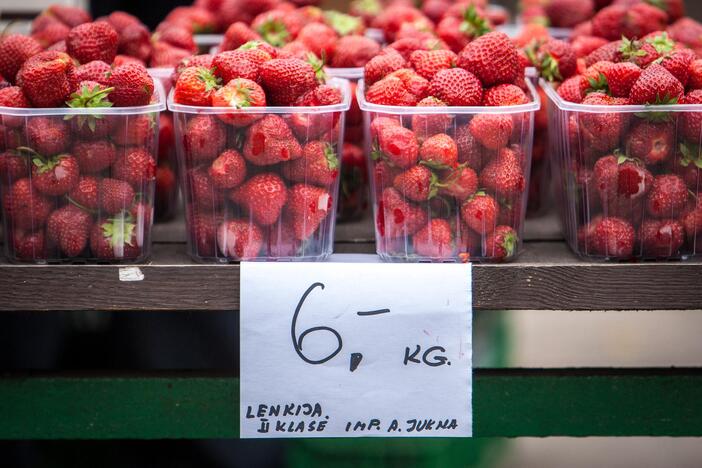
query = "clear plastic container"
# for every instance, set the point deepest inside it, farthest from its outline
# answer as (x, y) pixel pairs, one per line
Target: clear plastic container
(205, 42)
(78, 184)
(540, 188)
(628, 178)
(449, 183)
(264, 185)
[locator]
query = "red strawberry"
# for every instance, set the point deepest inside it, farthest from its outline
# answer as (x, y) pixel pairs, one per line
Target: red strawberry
(573, 89)
(239, 239)
(13, 166)
(202, 60)
(584, 45)
(138, 130)
(661, 238)
(426, 125)
(382, 65)
(456, 87)
(15, 49)
(135, 41)
(602, 130)
(68, 228)
(413, 82)
(689, 167)
(492, 58)
(115, 238)
(397, 217)
(93, 41)
(285, 80)
(692, 221)
(621, 178)
(136, 166)
(69, 15)
(25, 207)
(85, 193)
(202, 227)
(96, 70)
(569, 13)
(354, 51)
(379, 124)
(390, 91)
(314, 125)
(228, 170)
(492, 130)
(501, 244)
(51, 34)
(233, 64)
(621, 77)
(613, 237)
(428, 62)
(667, 197)
(678, 64)
(656, 86)
(126, 59)
(176, 37)
(308, 206)
(480, 213)
(12, 96)
(115, 195)
(47, 135)
(469, 149)
(164, 55)
(399, 145)
(695, 75)
(205, 138)
(270, 141)
(133, 86)
(555, 60)
(504, 95)
(457, 30)
(318, 165)
(94, 156)
(203, 192)
(47, 79)
(262, 196)
(28, 245)
(434, 240)
(504, 174)
(616, 21)
(319, 38)
(239, 93)
(236, 35)
(418, 183)
(460, 183)
(692, 121)
(439, 151)
(56, 175)
(651, 142)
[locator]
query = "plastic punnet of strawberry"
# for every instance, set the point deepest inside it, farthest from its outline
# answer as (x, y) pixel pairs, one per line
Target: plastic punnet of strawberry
(628, 129)
(259, 139)
(450, 140)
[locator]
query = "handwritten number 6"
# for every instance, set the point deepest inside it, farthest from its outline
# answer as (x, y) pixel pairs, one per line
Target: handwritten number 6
(297, 341)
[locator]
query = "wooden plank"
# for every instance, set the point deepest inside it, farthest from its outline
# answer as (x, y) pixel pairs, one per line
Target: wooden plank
(547, 276)
(507, 402)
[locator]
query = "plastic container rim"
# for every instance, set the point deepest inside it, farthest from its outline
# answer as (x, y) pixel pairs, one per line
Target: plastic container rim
(339, 83)
(160, 72)
(366, 106)
(602, 109)
(351, 73)
(158, 106)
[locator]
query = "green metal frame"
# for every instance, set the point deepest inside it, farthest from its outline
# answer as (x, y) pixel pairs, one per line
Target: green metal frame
(507, 402)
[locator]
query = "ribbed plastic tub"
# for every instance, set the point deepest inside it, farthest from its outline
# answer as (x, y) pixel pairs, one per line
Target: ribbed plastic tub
(463, 213)
(274, 148)
(628, 178)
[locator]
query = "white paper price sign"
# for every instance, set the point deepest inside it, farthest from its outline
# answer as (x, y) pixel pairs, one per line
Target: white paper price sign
(356, 349)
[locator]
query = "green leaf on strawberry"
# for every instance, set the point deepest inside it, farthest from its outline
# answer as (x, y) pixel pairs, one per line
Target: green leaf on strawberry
(473, 24)
(119, 230)
(690, 155)
(274, 32)
(342, 23)
(662, 43)
(598, 85)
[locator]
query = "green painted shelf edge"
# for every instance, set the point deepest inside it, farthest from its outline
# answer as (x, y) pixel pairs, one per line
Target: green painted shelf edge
(507, 403)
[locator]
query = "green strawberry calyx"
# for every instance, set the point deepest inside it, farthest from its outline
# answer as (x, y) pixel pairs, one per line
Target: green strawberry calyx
(317, 65)
(435, 165)
(207, 76)
(342, 23)
(46, 165)
(509, 243)
(690, 155)
(623, 157)
(598, 85)
(630, 49)
(330, 157)
(119, 230)
(434, 185)
(250, 45)
(368, 7)
(473, 24)
(86, 97)
(662, 43)
(660, 4)
(274, 32)
(478, 193)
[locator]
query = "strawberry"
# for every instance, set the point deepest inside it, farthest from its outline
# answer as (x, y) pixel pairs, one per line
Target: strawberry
(96, 70)
(460, 183)
(406, 46)
(262, 196)
(176, 36)
(25, 207)
(270, 141)
(203, 192)
(115, 195)
(69, 15)
(426, 125)
(555, 60)
(258, 51)
(656, 86)
(205, 138)
(504, 174)
(12, 96)
(569, 13)
(434, 240)
(354, 51)
(239, 239)
(47, 79)
(689, 165)
(232, 64)
(135, 41)
(13, 166)
(93, 41)
(695, 75)
(94, 156)
(51, 34)
(47, 135)
(308, 206)
(456, 87)
(501, 244)
(236, 35)
(439, 151)
(480, 213)
(228, 170)
(68, 228)
(621, 77)
(692, 221)
(504, 95)
(56, 175)
(115, 238)
(382, 65)
(239, 93)
(136, 166)
(492, 58)
(15, 49)
(137, 130)
(585, 45)
(428, 62)
(678, 64)
(651, 142)
(390, 91)
(573, 89)
(457, 31)
(692, 121)
(469, 149)
(164, 55)
(615, 21)
(602, 130)
(492, 130)
(413, 82)
(285, 80)
(667, 197)
(613, 237)
(379, 124)
(619, 177)
(28, 245)
(661, 238)
(318, 165)
(133, 86)
(397, 217)
(203, 232)
(314, 125)
(399, 145)
(319, 39)
(85, 193)
(418, 183)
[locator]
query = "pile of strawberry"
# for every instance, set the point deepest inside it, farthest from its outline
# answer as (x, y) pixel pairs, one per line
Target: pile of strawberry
(228, 12)
(637, 177)
(257, 183)
(455, 183)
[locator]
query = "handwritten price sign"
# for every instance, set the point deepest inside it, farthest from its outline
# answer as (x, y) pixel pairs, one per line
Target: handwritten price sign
(355, 349)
